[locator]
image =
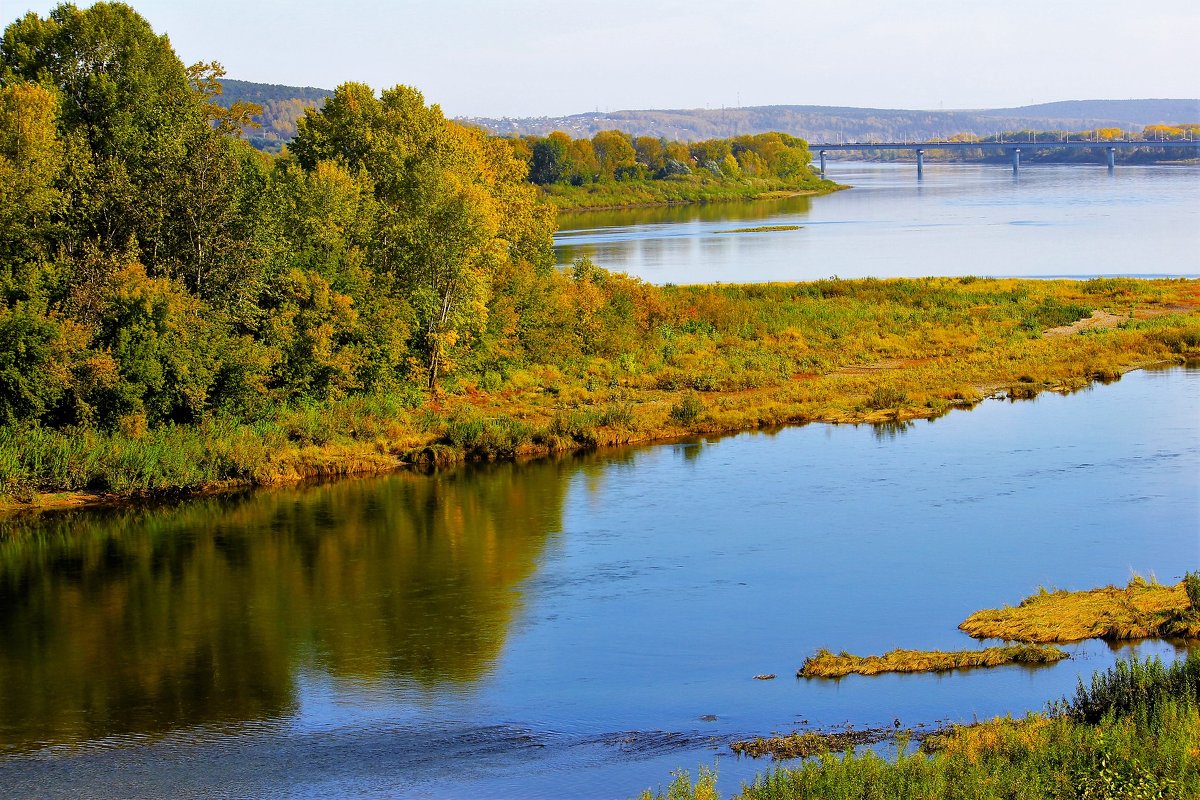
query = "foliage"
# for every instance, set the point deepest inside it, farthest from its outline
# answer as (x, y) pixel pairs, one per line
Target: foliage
(1139, 689)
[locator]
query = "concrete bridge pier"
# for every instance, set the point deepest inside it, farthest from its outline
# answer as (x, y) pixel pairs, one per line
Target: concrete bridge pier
(1112, 158)
(822, 163)
(1016, 159)
(920, 164)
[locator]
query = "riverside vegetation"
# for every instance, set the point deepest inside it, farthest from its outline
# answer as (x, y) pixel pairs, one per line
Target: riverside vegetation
(1134, 732)
(614, 169)
(181, 312)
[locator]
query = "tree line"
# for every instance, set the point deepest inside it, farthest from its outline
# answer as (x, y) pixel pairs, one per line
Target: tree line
(156, 269)
(617, 156)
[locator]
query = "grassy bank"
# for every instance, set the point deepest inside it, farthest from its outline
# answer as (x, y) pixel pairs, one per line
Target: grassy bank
(1140, 610)
(696, 188)
(825, 664)
(629, 362)
(1133, 733)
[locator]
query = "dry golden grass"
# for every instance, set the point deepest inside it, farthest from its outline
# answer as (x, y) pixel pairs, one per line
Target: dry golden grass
(1138, 611)
(836, 665)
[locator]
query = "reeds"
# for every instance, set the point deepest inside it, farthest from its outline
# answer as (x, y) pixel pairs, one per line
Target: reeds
(825, 664)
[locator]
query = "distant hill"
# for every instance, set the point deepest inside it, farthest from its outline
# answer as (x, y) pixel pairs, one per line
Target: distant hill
(1144, 112)
(283, 105)
(833, 123)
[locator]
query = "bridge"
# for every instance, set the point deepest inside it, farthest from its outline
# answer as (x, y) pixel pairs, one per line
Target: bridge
(1014, 148)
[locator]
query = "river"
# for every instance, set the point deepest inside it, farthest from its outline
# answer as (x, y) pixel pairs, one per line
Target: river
(582, 626)
(962, 219)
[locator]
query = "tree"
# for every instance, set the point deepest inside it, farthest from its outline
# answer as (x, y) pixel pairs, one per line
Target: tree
(651, 152)
(613, 151)
(453, 209)
(547, 161)
(150, 164)
(31, 159)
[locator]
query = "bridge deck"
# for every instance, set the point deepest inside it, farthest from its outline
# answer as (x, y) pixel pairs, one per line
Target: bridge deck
(1123, 144)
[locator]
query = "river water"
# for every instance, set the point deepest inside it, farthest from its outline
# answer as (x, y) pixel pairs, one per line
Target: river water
(580, 627)
(961, 219)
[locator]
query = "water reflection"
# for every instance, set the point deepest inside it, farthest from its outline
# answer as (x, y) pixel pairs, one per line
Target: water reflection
(140, 621)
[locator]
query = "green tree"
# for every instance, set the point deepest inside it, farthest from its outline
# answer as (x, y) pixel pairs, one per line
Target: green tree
(454, 208)
(547, 161)
(31, 159)
(613, 151)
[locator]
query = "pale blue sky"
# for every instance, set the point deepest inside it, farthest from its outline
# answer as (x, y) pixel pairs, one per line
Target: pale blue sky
(535, 57)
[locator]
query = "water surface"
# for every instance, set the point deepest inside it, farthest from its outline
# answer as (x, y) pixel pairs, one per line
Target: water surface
(1052, 220)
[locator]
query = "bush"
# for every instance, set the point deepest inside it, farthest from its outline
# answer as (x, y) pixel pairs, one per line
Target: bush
(886, 397)
(1191, 585)
(1138, 689)
(687, 410)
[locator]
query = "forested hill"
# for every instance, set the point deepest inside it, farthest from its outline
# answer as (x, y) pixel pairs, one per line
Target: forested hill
(267, 92)
(831, 123)
(282, 106)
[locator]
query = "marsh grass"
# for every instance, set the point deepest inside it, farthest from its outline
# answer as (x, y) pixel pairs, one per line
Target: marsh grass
(1140, 610)
(825, 664)
(806, 744)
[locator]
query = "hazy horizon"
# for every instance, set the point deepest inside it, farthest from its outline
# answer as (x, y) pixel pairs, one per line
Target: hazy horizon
(529, 58)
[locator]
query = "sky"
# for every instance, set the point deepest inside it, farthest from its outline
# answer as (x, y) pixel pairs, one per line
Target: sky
(554, 57)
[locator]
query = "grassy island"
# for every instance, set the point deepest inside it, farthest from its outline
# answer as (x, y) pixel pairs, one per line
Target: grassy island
(1140, 610)
(825, 664)
(680, 191)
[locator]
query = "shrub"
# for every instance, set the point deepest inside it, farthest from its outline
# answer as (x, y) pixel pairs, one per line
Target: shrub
(886, 397)
(687, 410)
(1191, 585)
(1138, 689)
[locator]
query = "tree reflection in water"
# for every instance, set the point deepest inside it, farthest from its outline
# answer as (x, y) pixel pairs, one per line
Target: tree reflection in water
(140, 621)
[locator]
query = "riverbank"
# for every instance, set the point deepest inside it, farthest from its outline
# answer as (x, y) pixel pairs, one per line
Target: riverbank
(681, 190)
(682, 361)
